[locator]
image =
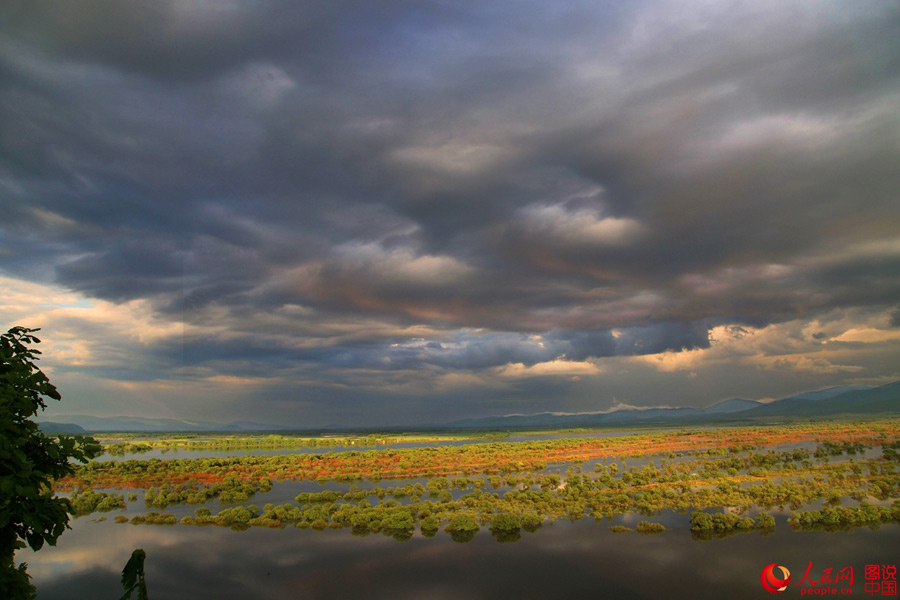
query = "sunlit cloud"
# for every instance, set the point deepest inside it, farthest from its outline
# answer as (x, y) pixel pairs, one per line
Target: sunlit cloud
(453, 157)
(400, 265)
(78, 331)
(793, 346)
(579, 226)
(550, 368)
(687, 360)
(867, 335)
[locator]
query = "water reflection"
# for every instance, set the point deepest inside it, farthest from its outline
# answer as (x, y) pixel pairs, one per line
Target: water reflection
(578, 560)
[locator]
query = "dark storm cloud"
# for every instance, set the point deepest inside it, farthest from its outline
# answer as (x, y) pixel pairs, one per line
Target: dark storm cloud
(130, 269)
(521, 182)
(461, 350)
(168, 40)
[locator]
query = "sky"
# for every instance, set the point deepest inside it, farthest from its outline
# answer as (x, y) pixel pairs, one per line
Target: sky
(398, 213)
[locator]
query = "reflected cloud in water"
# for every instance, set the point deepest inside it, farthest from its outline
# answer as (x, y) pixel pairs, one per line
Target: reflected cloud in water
(565, 559)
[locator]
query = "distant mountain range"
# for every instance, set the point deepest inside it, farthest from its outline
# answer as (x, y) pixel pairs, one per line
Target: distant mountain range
(828, 392)
(834, 402)
(852, 400)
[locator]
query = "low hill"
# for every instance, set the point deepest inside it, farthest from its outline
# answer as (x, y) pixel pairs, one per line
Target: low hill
(51, 428)
(731, 405)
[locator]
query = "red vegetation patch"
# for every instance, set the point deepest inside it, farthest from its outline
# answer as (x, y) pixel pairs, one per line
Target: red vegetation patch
(492, 458)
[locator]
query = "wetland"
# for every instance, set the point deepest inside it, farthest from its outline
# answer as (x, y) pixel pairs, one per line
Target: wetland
(433, 516)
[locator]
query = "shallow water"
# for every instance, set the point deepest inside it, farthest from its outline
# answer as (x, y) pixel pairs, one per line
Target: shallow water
(169, 453)
(562, 560)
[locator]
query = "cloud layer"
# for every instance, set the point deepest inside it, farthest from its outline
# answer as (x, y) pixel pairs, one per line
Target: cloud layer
(344, 213)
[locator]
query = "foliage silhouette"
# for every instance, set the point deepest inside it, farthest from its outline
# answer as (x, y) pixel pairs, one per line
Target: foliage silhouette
(133, 576)
(30, 513)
